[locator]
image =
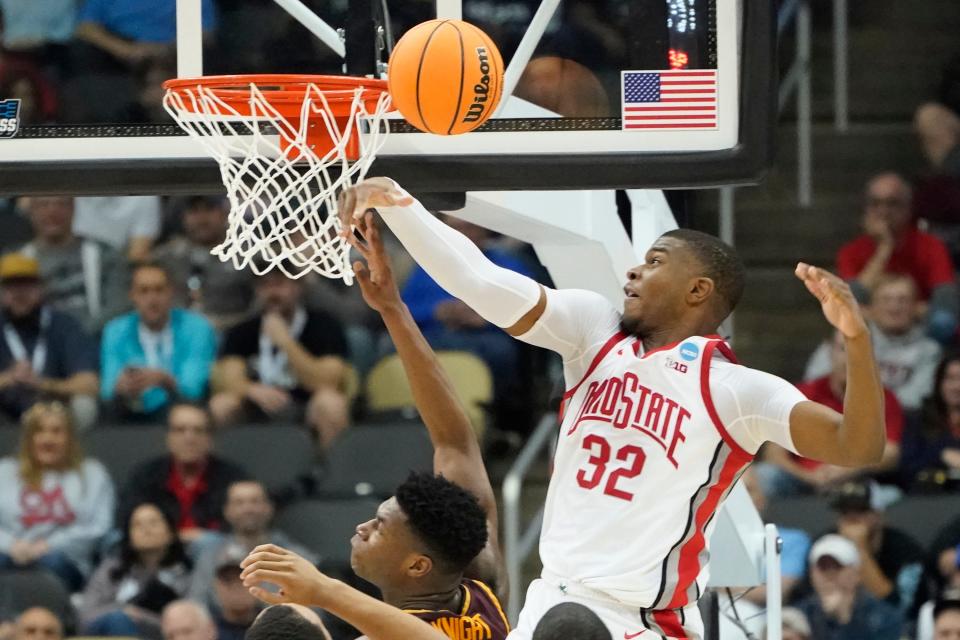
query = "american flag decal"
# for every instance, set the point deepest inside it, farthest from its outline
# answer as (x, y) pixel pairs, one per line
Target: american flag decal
(669, 100)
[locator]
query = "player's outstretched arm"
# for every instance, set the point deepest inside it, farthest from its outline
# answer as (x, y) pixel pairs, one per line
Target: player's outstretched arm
(857, 437)
(300, 582)
(505, 298)
(456, 451)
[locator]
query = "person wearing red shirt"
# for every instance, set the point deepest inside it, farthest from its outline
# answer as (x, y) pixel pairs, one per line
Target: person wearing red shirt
(891, 243)
(785, 473)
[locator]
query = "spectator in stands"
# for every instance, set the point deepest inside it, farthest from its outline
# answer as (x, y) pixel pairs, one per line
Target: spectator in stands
(891, 243)
(129, 33)
(931, 444)
(235, 608)
(157, 353)
(905, 356)
(785, 473)
(249, 512)
(202, 282)
(891, 561)
(448, 323)
(37, 31)
(942, 574)
(15, 223)
(288, 622)
(188, 482)
(44, 352)
(840, 606)
(128, 224)
(56, 504)
(187, 620)
(130, 588)
(25, 82)
(38, 623)
(796, 546)
(288, 363)
(939, 129)
(84, 277)
(946, 620)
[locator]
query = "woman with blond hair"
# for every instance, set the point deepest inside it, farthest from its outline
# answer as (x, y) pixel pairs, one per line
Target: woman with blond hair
(55, 504)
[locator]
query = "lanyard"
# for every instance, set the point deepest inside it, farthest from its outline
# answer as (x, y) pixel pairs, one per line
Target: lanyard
(38, 359)
(273, 361)
(157, 346)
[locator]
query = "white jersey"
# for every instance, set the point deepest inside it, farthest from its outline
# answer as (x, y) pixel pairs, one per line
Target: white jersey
(650, 444)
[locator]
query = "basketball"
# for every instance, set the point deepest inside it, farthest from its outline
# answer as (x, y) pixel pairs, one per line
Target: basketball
(445, 77)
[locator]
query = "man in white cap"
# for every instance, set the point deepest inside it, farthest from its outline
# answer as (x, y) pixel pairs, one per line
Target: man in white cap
(840, 608)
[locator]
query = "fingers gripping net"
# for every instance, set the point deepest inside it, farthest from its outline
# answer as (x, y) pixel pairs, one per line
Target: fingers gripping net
(284, 157)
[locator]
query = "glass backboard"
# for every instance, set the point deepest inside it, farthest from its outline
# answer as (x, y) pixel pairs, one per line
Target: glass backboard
(598, 93)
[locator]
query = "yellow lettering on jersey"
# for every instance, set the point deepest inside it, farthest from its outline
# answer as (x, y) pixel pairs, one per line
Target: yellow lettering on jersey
(464, 627)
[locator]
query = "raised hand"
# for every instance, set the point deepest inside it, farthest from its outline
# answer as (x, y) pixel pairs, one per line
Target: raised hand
(374, 192)
(298, 581)
(375, 278)
(839, 306)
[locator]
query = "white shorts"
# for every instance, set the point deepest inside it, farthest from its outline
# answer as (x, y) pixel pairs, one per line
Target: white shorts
(624, 622)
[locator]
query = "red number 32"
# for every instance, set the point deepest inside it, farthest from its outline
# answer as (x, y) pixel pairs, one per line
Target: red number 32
(600, 451)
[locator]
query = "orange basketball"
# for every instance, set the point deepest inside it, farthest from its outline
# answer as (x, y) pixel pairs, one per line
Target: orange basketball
(445, 76)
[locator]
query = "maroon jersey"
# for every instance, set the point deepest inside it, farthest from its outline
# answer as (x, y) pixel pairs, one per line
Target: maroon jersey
(480, 617)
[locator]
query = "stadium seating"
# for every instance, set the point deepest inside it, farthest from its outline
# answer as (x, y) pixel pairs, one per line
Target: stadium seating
(122, 449)
(387, 388)
(374, 459)
(275, 454)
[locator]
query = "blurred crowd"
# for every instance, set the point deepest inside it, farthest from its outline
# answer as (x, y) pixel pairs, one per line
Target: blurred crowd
(114, 312)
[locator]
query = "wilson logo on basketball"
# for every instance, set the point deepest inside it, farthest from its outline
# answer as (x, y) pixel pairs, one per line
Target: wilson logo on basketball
(481, 90)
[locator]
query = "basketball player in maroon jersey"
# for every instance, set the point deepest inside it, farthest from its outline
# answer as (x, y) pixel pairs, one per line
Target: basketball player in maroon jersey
(432, 549)
(659, 420)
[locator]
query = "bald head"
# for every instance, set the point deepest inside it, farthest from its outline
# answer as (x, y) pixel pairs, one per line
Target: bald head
(38, 623)
(187, 620)
(287, 622)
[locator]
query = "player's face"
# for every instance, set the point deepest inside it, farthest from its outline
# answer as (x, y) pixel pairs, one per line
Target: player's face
(383, 546)
(656, 290)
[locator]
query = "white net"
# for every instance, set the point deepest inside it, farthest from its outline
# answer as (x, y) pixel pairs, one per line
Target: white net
(283, 194)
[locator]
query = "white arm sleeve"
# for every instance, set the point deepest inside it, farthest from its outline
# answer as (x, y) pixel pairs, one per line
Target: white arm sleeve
(576, 324)
(499, 295)
(754, 406)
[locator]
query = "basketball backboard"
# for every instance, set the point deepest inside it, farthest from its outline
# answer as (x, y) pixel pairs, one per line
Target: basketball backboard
(598, 94)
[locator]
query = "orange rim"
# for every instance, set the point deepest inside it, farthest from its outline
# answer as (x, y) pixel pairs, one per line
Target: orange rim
(285, 92)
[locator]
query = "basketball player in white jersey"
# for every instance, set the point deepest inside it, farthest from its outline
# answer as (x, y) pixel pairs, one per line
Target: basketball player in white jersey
(658, 420)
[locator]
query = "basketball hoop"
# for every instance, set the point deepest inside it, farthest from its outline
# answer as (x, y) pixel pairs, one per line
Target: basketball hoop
(287, 145)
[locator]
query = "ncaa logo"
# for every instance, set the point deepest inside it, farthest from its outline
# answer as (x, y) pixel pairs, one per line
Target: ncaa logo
(689, 351)
(9, 117)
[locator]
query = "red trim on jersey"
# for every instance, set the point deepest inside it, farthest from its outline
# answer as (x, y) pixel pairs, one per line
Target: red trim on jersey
(689, 567)
(708, 399)
(669, 623)
(604, 350)
(712, 336)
